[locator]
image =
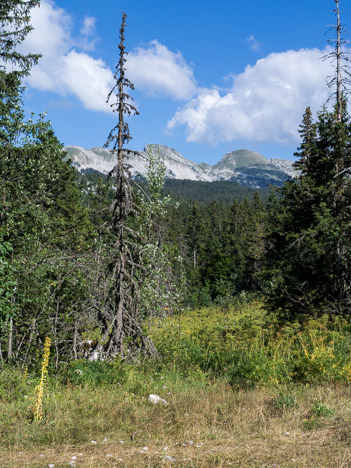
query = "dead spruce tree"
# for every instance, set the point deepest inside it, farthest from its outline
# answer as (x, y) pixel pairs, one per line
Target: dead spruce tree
(122, 329)
(340, 80)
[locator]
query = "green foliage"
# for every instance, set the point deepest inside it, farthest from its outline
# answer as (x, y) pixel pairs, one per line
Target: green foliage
(321, 409)
(8, 283)
(85, 373)
(159, 289)
(285, 400)
(43, 222)
(245, 345)
(224, 192)
(15, 25)
(223, 247)
(308, 261)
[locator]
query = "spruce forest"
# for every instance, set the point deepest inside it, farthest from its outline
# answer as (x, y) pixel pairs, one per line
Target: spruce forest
(148, 321)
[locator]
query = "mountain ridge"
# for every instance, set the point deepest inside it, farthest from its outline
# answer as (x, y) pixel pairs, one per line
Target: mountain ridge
(247, 167)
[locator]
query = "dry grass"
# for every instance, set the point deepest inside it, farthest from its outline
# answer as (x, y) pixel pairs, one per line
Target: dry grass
(209, 425)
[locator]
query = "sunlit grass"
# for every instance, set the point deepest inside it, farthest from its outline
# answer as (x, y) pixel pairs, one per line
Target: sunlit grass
(240, 391)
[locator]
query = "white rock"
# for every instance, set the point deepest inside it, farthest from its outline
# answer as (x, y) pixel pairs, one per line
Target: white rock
(168, 458)
(93, 442)
(51, 465)
(155, 399)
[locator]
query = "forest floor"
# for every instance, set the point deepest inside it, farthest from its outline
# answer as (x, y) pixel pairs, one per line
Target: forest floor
(202, 425)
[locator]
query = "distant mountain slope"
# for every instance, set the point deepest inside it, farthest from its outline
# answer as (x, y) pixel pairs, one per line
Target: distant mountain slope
(248, 168)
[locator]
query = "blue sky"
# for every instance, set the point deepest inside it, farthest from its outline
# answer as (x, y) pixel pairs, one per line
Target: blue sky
(210, 77)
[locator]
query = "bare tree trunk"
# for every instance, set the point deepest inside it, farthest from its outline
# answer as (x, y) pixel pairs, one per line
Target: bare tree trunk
(1, 356)
(339, 99)
(55, 334)
(75, 337)
(9, 345)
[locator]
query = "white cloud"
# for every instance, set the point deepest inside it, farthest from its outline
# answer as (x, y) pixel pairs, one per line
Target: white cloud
(253, 43)
(63, 69)
(88, 27)
(88, 35)
(158, 71)
(265, 103)
(68, 70)
(52, 34)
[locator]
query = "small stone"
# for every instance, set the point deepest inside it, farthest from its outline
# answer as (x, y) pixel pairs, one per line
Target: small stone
(93, 442)
(183, 445)
(165, 449)
(168, 458)
(72, 463)
(109, 455)
(41, 455)
(74, 457)
(287, 433)
(155, 399)
(190, 442)
(105, 439)
(145, 449)
(51, 465)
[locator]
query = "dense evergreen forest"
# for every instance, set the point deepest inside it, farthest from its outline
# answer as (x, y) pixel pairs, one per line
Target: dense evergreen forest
(79, 264)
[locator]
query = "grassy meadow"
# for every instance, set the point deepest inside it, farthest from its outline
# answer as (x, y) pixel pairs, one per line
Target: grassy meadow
(240, 391)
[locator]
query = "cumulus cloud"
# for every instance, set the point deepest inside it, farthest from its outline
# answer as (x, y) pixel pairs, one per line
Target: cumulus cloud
(265, 102)
(158, 71)
(52, 34)
(63, 69)
(66, 67)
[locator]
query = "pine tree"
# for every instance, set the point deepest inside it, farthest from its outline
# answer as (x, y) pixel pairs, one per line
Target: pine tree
(309, 259)
(310, 251)
(308, 134)
(14, 66)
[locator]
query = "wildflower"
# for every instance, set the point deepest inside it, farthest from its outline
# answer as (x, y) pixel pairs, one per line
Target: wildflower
(38, 408)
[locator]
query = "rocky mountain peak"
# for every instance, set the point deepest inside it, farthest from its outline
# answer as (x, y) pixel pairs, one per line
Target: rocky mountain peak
(247, 167)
